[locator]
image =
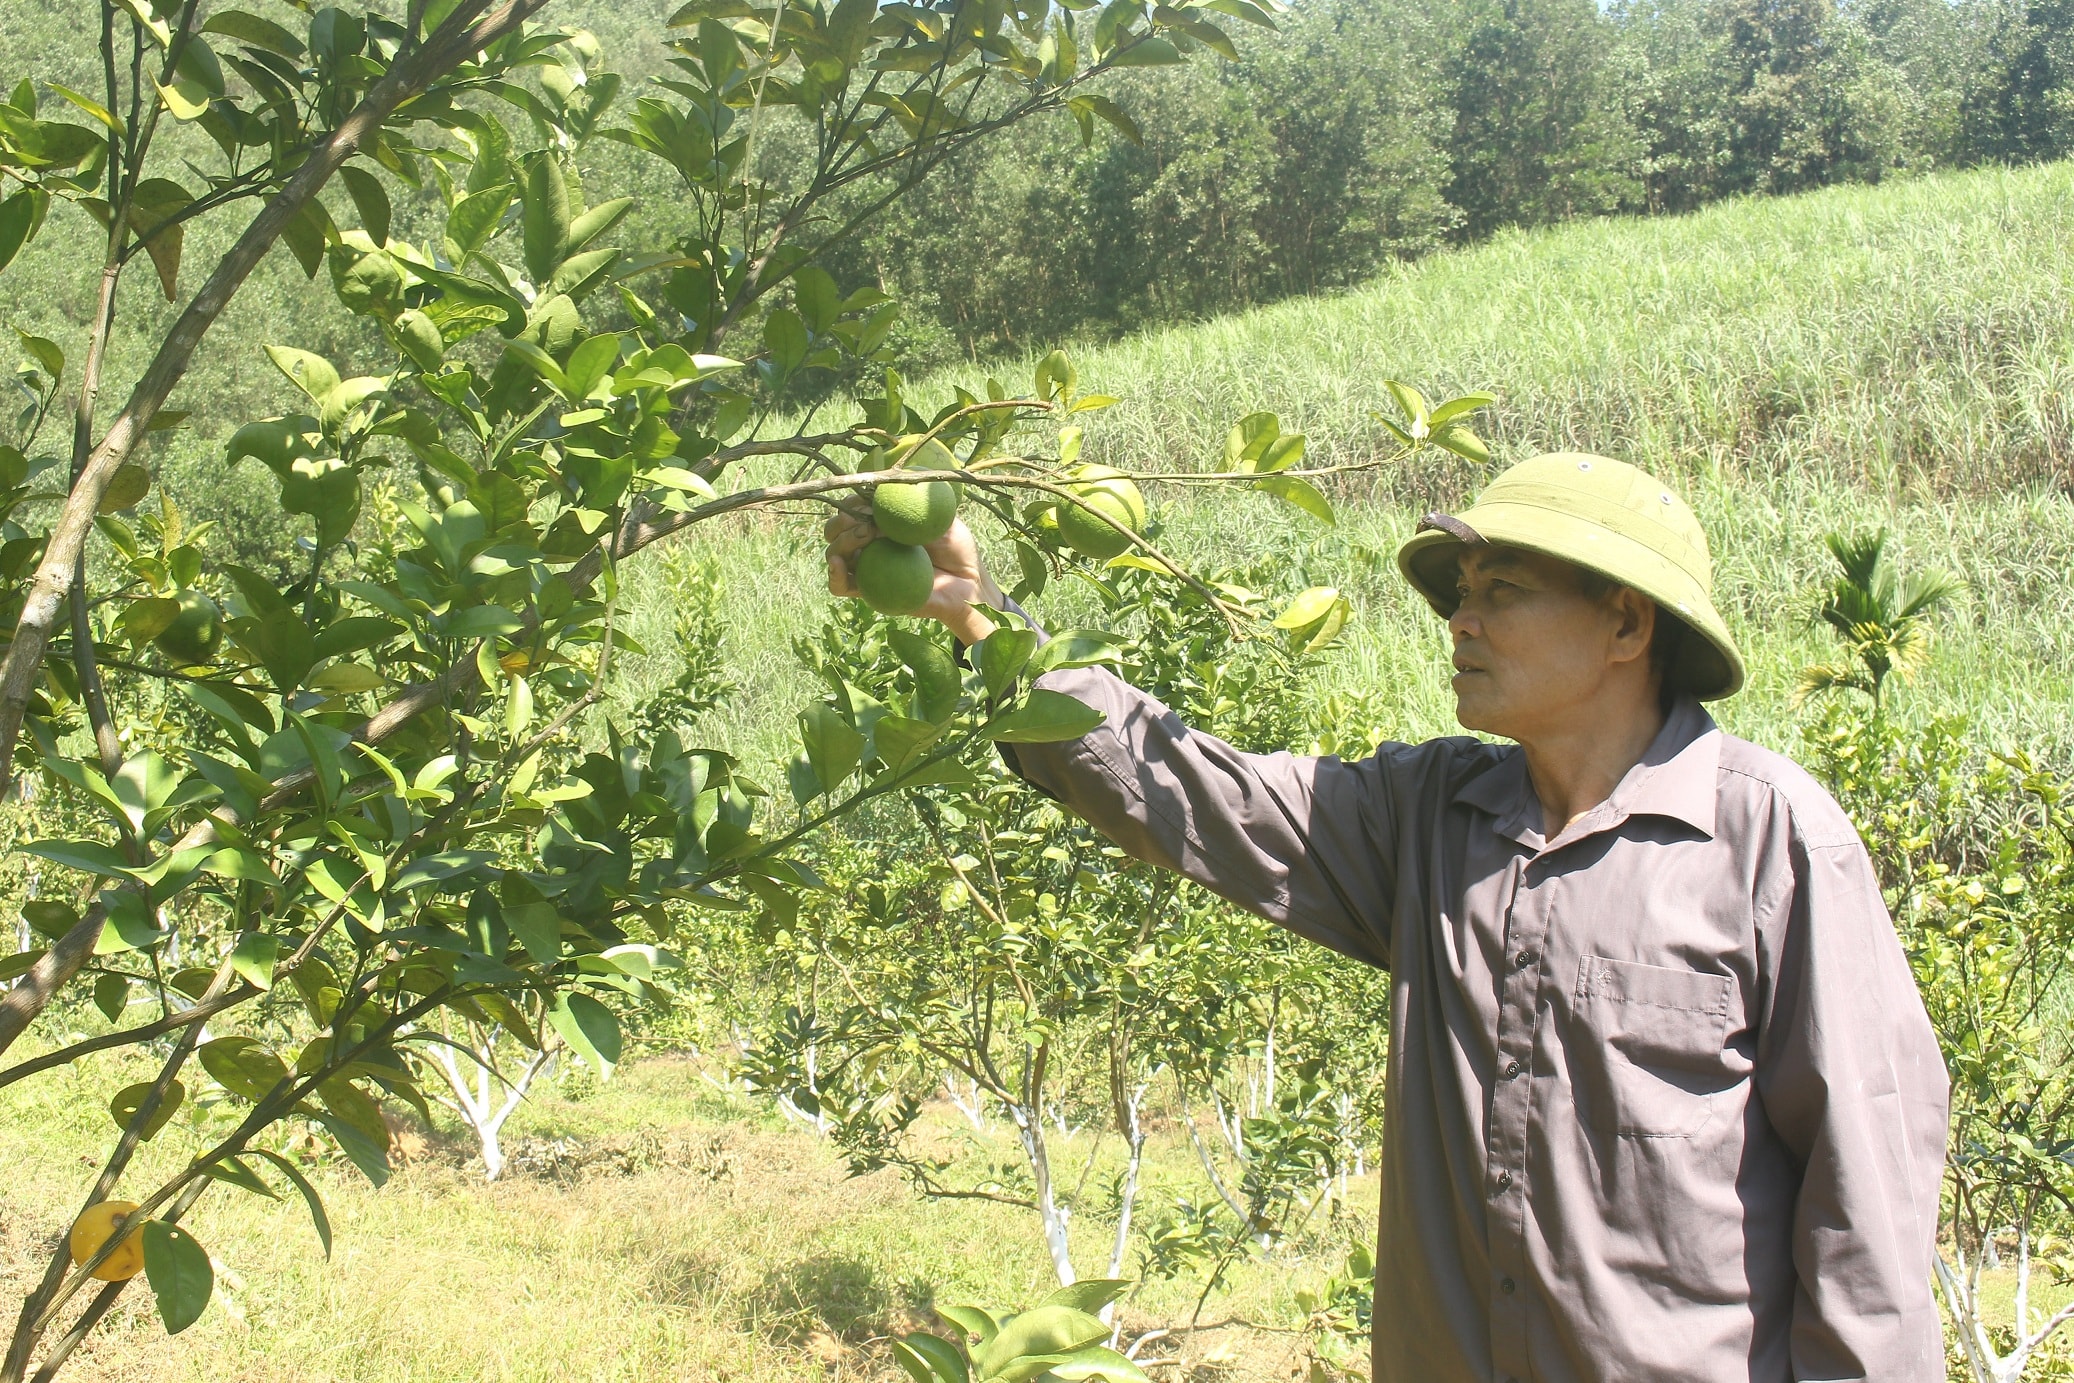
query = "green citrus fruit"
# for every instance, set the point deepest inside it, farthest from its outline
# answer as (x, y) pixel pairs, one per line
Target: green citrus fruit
(917, 514)
(894, 578)
(923, 452)
(195, 632)
(419, 337)
(1111, 492)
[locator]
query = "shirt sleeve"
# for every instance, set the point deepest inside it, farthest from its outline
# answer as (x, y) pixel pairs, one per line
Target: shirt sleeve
(1852, 1081)
(1301, 841)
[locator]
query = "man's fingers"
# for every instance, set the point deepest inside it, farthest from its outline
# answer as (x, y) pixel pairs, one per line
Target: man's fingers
(846, 533)
(841, 580)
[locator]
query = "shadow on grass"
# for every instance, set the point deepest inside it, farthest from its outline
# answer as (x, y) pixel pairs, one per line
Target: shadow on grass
(835, 1295)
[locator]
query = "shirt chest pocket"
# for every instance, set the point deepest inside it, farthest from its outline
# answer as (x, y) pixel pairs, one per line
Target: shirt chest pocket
(1653, 1056)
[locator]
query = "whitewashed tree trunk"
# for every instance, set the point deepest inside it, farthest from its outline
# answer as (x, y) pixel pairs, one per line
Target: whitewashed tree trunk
(1127, 1199)
(478, 1102)
(1030, 1131)
(1959, 1282)
(970, 1102)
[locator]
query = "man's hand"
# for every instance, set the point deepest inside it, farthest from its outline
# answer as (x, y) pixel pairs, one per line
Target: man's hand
(961, 578)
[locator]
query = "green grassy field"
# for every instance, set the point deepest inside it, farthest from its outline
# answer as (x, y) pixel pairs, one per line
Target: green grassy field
(652, 1226)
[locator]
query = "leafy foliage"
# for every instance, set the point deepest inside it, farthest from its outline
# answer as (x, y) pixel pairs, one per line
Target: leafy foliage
(1882, 620)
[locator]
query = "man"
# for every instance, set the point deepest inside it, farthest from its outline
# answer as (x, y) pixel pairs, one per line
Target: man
(1663, 1102)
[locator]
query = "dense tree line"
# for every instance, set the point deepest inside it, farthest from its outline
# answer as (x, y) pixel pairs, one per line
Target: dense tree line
(1373, 130)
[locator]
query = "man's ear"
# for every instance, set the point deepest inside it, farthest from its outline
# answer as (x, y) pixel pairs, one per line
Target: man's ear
(1637, 624)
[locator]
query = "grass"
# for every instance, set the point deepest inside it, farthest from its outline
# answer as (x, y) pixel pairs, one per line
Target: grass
(688, 1236)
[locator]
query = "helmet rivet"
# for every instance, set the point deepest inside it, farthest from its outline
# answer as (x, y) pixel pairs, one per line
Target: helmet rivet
(1584, 465)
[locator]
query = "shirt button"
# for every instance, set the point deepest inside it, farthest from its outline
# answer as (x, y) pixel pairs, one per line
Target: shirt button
(1525, 959)
(1512, 1070)
(1504, 1181)
(1505, 1285)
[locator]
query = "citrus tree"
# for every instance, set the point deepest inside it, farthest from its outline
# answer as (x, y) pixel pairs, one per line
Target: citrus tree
(1975, 854)
(324, 812)
(1000, 947)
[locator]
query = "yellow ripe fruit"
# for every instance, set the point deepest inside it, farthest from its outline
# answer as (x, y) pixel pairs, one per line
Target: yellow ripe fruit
(894, 578)
(91, 1230)
(1113, 493)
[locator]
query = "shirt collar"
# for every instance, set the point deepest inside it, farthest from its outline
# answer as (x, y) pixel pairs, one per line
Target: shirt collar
(1676, 777)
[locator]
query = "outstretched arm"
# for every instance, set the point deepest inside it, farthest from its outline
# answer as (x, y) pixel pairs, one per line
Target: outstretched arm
(1303, 842)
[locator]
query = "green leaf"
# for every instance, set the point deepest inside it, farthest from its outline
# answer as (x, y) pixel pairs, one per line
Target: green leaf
(598, 220)
(833, 745)
(1097, 1362)
(178, 1270)
(538, 928)
(1001, 657)
(232, 1171)
(590, 1028)
(153, 205)
(590, 362)
(1307, 608)
(309, 1195)
(1089, 1293)
(1151, 51)
(363, 1152)
(1413, 403)
(254, 957)
(127, 1101)
(474, 218)
(1073, 648)
(929, 1359)
(540, 363)
(20, 215)
(544, 224)
(973, 1320)
(898, 740)
(87, 856)
(112, 996)
(370, 200)
(1460, 407)
(1047, 716)
(785, 337)
(130, 925)
(441, 868)
(1295, 490)
(1463, 443)
(48, 917)
(1040, 1330)
(91, 106)
(242, 1066)
(256, 32)
(311, 373)
(281, 642)
(937, 685)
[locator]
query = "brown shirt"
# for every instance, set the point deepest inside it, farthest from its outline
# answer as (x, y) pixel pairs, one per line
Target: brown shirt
(1663, 1102)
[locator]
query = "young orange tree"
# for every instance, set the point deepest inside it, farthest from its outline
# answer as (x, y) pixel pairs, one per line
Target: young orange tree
(318, 811)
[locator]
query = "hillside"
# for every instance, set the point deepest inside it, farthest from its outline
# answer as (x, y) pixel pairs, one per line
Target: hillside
(1895, 355)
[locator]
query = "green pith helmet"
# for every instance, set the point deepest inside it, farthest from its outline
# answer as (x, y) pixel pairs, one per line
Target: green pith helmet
(1607, 517)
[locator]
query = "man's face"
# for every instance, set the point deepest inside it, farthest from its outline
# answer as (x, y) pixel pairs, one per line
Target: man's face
(1533, 652)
